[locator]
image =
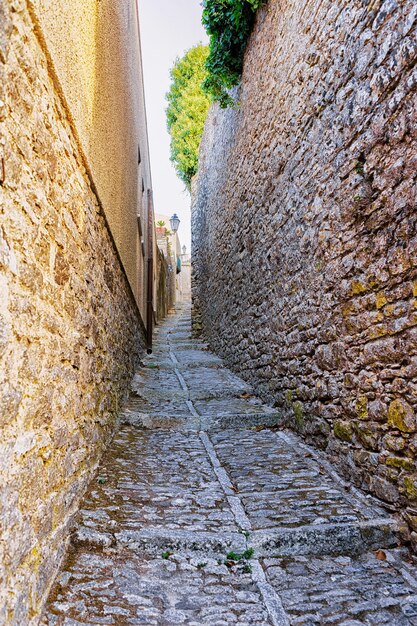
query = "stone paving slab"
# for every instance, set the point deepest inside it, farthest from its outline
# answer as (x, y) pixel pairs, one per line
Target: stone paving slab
(136, 409)
(180, 336)
(333, 539)
(344, 591)
(155, 385)
(186, 344)
(255, 527)
(127, 589)
(184, 356)
(207, 383)
(157, 479)
(218, 420)
(280, 488)
(155, 540)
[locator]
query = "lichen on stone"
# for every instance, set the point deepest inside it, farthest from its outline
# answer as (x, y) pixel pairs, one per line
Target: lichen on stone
(410, 485)
(401, 416)
(362, 407)
(343, 430)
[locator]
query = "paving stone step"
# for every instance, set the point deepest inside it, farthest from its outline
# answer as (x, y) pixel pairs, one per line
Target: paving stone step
(314, 540)
(168, 418)
(326, 539)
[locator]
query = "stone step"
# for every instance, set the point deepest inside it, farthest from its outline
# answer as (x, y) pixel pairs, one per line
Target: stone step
(312, 540)
(129, 588)
(177, 419)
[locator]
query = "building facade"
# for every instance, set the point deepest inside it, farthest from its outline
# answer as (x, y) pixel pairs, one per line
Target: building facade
(185, 276)
(178, 263)
(76, 242)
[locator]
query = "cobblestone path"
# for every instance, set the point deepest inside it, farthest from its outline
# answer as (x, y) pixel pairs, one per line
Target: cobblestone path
(203, 514)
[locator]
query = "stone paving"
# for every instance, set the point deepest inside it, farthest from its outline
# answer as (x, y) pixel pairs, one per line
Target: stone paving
(204, 512)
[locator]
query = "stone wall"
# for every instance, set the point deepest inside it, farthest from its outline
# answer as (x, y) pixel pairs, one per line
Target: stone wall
(70, 331)
(305, 237)
(162, 303)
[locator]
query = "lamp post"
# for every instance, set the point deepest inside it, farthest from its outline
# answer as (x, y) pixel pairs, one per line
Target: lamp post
(175, 222)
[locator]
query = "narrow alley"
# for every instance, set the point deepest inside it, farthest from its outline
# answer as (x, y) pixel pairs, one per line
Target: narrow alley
(250, 458)
(204, 512)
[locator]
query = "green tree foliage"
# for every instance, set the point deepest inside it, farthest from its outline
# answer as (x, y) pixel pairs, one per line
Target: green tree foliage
(228, 24)
(187, 110)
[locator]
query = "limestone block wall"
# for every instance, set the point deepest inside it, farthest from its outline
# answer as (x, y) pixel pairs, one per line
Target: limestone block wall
(305, 237)
(70, 331)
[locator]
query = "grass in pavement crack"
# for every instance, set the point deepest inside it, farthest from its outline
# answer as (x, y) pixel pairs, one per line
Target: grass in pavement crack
(240, 560)
(166, 554)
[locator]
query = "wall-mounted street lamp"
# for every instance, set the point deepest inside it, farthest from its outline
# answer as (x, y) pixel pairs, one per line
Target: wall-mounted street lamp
(175, 222)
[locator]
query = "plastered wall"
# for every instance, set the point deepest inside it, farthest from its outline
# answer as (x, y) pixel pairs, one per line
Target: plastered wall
(94, 50)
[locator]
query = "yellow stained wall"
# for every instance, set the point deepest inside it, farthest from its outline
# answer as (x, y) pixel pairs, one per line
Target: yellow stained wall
(94, 49)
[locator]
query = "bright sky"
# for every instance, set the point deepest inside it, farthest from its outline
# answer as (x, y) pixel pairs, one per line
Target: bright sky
(168, 29)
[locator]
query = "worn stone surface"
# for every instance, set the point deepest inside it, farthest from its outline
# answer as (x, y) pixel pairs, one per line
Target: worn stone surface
(344, 591)
(304, 232)
(177, 492)
(169, 471)
(70, 333)
(126, 589)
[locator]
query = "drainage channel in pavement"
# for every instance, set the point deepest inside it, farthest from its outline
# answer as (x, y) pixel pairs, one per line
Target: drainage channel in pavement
(204, 513)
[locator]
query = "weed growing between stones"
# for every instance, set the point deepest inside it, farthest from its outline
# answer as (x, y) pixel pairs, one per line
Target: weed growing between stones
(165, 555)
(240, 560)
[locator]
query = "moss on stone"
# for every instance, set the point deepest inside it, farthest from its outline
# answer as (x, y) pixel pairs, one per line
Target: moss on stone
(410, 486)
(362, 407)
(395, 444)
(380, 300)
(343, 430)
(289, 395)
(376, 332)
(400, 462)
(367, 436)
(401, 416)
(357, 288)
(411, 520)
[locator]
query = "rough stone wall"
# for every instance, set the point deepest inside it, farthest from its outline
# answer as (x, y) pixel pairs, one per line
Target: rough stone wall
(162, 304)
(304, 232)
(70, 333)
